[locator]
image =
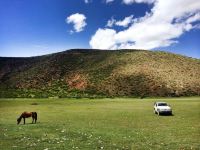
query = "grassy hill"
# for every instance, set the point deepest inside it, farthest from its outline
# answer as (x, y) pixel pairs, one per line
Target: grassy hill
(96, 73)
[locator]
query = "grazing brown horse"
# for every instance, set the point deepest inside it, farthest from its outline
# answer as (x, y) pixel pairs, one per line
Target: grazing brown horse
(27, 115)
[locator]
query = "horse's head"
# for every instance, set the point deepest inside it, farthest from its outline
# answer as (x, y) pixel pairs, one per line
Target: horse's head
(18, 120)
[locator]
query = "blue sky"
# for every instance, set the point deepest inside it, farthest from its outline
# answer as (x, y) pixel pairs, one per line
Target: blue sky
(37, 27)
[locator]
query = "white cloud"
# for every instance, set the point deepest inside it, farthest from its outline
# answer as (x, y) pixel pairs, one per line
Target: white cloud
(194, 18)
(87, 1)
(78, 21)
(111, 22)
(125, 22)
(128, 2)
(166, 22)
(103, 39)
(109, 1)
(197, 26)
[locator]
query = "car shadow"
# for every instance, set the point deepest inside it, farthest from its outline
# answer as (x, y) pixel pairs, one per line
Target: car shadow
(169, 115)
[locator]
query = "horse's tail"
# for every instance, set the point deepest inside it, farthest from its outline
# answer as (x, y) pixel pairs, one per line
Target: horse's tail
(35, 116)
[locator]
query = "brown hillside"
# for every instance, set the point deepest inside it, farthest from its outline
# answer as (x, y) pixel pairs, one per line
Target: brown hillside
(100, 73)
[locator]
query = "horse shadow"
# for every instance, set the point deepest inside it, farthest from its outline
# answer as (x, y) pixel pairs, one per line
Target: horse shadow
(30, 123)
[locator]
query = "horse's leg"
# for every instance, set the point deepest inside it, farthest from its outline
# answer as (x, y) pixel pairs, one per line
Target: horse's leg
(24, 120)
(32, 119)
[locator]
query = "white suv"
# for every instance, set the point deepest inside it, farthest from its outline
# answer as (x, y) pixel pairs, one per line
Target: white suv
(162, 108)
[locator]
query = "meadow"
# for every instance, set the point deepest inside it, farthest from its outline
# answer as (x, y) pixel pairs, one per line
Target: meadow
(111, 124)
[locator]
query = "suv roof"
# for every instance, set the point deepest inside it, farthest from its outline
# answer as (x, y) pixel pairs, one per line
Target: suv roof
(160, 102)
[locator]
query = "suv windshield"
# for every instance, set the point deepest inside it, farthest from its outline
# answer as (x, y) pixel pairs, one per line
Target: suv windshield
(162, 104)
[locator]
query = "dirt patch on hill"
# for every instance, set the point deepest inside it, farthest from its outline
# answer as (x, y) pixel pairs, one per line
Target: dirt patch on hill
(77, 81)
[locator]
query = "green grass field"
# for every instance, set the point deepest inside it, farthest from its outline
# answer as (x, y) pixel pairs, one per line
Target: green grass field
(121, 123)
